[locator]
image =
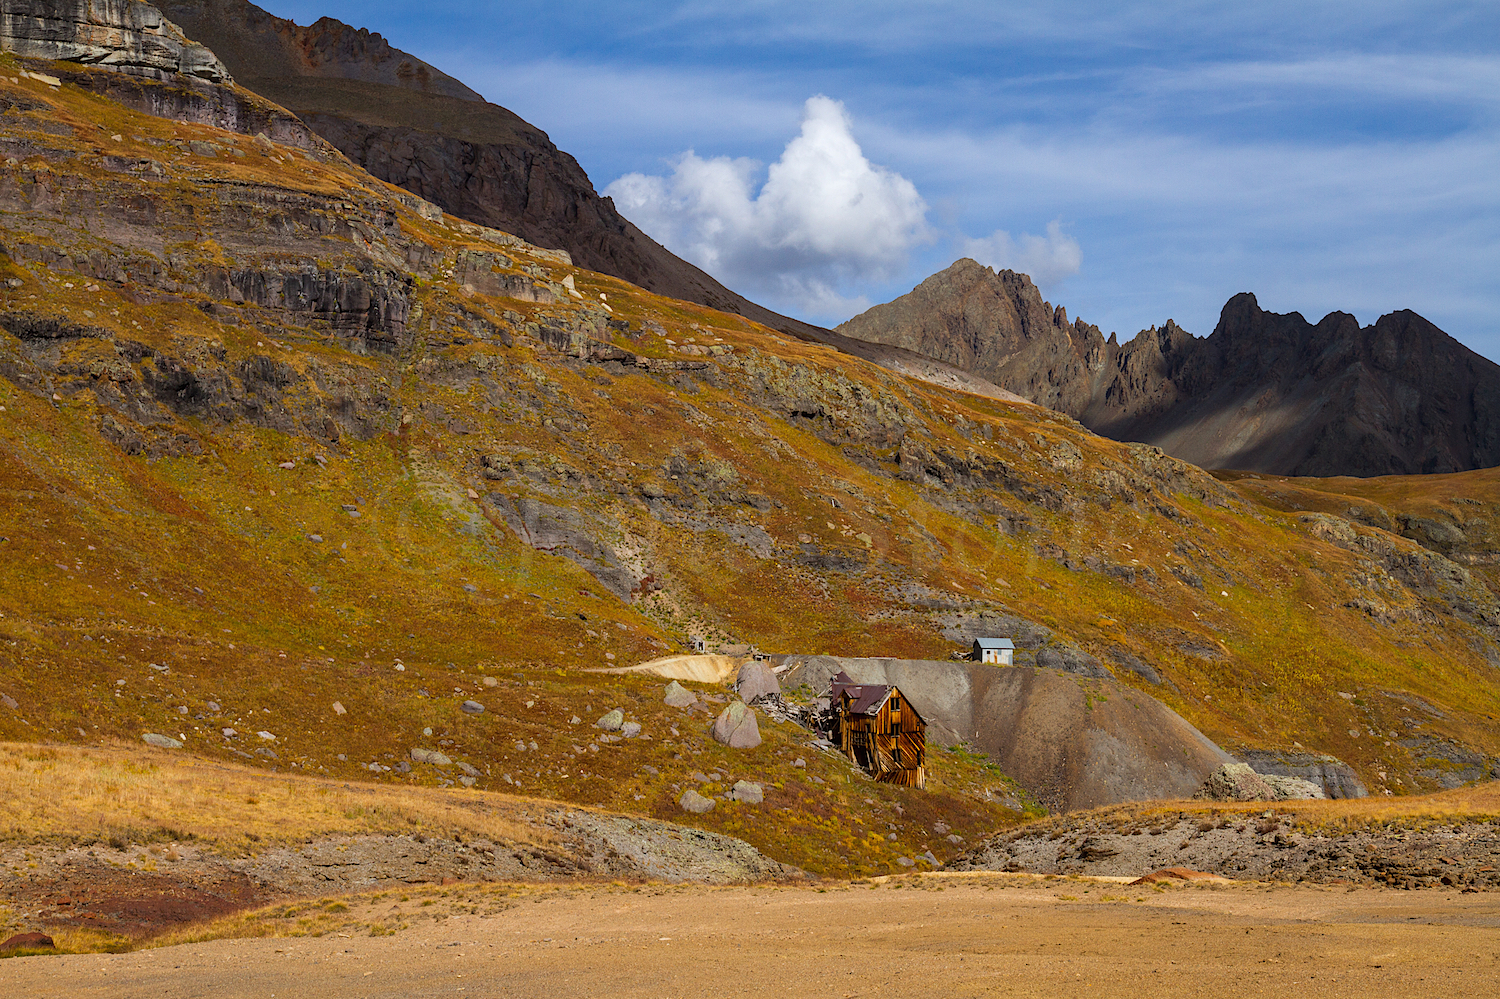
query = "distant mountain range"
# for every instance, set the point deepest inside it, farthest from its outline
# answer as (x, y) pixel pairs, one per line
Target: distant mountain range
(1265, 392)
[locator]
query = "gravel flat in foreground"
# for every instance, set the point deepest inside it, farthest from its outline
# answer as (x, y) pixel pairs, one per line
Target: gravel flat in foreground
(947, 936)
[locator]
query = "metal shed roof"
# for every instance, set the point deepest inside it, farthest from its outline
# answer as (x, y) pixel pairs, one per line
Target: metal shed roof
(865, 698)
(994, 643)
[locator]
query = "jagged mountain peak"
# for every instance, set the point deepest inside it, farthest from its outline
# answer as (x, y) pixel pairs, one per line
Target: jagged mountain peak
(1266, 391)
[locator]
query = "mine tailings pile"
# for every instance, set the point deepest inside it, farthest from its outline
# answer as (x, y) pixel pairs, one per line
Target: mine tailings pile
(1071, 741)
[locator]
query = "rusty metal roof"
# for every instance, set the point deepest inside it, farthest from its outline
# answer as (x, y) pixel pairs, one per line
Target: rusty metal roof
(864, 698)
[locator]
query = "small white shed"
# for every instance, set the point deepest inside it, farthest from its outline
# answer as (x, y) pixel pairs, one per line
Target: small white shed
(1000, 651)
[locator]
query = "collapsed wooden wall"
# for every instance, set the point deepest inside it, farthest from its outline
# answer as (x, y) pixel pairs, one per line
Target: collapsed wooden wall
(891, 744)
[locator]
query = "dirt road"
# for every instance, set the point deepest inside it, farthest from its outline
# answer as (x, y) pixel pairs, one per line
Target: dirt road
(942, 937)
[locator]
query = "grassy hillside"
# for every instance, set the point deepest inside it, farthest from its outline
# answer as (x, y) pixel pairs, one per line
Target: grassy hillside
(273, 437)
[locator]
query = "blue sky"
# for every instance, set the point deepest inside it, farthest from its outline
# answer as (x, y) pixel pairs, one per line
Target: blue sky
(1142, 161)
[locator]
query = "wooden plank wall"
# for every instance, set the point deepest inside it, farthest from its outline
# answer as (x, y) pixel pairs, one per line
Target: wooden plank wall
(892, 744)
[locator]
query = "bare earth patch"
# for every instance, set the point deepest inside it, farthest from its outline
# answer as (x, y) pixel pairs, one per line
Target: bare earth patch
(931, 935)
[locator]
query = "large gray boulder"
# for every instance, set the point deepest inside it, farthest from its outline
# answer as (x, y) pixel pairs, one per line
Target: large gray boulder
(736, 727)
(678, 696)
(1235, 782)
(748, 792)
(692, 801)
(756, 680)
(125, 35)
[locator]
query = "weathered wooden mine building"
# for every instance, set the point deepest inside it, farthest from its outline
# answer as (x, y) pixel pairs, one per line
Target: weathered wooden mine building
(877, 728)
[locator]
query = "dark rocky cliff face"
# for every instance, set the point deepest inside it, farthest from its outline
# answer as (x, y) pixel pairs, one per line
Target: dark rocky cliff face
(996, 326)
(414, 126)
(1265, 392)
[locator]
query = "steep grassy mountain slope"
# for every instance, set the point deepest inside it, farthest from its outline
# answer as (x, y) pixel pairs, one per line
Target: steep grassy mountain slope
(1265, 392)
(275, 435)
(408, 123)
(412, 125)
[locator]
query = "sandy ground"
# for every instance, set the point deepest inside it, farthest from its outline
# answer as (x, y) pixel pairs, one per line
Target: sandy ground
(951, 936)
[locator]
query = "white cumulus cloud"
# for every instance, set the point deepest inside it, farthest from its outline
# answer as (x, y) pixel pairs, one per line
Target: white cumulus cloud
(825, 217)
(1047, 259)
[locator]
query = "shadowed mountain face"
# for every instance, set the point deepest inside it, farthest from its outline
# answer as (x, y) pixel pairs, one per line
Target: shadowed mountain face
(414, 126)
(1265, 392)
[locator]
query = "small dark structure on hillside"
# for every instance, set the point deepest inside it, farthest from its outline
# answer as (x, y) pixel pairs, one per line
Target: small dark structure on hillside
(877, 728)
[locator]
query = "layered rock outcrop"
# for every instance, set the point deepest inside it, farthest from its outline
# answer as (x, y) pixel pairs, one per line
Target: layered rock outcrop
(124, 35)
(414, 126)
(1265, 392)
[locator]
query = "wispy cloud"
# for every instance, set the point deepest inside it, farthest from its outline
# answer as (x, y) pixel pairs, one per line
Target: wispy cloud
(1047, 259)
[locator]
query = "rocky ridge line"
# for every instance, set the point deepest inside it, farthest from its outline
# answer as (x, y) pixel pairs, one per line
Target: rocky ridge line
(1265, 392)
(1266, 846)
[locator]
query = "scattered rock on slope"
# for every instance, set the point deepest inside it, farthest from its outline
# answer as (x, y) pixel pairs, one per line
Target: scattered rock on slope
(678, 696)
(692, 801)
(747, 792)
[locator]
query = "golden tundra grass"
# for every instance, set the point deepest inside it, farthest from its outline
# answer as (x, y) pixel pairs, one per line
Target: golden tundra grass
(66, 794)
(1479, 803)
(115, 564)
(374, 914)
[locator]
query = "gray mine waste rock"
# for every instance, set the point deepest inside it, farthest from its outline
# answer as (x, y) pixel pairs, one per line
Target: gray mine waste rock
(1072, 741)
(678, 696)
(124, 35)
(1335, 777)
(1249, 846)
